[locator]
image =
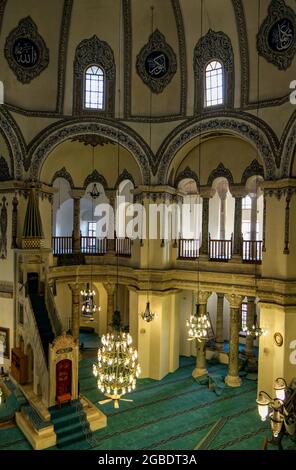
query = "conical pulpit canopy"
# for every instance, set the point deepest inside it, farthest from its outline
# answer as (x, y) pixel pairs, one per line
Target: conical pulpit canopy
(32, 232)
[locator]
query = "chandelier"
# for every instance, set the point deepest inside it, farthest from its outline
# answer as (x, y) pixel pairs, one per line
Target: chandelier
(283, 407)
(148, 315)
(198, 325)
(117, 368)
(94, 193)
(255, 331)
(89, 306)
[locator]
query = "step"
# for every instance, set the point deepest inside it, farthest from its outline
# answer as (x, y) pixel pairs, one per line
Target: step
(65, 410)
(68, 430)
(66, 420)
(68, 440)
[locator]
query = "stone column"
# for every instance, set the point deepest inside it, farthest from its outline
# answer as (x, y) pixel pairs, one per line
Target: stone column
(219, 323)
(206, 194)
(75, 288)
(14, 222)
(253, 230)
(250, 323)
(200, 368)
(111, 240)
(222, 196)
(238, 193)
(110, 289)
(233, 379)
(76, 196)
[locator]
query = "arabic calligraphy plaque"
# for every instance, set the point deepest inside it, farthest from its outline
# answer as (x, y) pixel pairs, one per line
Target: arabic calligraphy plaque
(156, 63)
(276, 39)
(25, 51)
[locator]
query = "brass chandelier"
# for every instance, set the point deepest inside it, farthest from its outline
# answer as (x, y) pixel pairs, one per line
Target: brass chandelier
(117, 368)
(198, 325)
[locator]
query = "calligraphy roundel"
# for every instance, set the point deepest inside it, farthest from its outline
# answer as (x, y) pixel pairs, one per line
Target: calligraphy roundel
(156, 63)
(276, 40)
(25, 51)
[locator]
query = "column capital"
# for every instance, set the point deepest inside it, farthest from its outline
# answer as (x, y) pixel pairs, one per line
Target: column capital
(76, 287)
(110, 287)
(207, 192)
(202, 297)
(234, 300)
(77, 193)
(238, 191)
(220, 295)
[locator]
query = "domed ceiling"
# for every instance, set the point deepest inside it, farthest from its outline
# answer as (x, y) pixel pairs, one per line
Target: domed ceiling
(56, 28)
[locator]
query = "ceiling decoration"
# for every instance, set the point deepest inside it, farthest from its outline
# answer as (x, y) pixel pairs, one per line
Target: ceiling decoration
(92, 139)
(156, 62)
(276, 40)
(25, 51)
(95, 177)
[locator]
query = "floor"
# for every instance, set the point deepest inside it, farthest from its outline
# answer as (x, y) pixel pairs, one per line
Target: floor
(176, 413)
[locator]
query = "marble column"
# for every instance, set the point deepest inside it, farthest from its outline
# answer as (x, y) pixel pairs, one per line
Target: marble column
(111, 236)
(75, 288)
(14, 222)
(250, 323)
(110, 289)
(206, 193)
(223, 196)
(219, 323)
(238, 193)
(200, 368)
(76, 196)
(233, 379)
(253, 225)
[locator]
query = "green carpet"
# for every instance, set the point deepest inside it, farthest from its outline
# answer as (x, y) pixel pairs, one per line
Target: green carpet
(175, 413)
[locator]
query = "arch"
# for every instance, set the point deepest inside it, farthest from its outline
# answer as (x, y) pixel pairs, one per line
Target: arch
(95, 177)
(59, 132)
(254, 169)
(63, 173)
(15, 142)
(186, 174)
(220, 172)
(124, 175)
(288, 147)
(249, 128)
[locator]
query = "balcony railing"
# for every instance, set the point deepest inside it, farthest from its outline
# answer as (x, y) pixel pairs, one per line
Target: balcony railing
(93, 245)
(123, 246)
(61, 245)
(220, 250)
(252, 251)
(188, 249)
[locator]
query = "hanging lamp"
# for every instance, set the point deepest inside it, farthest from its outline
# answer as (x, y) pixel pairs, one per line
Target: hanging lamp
(117, 368)
(198, 325)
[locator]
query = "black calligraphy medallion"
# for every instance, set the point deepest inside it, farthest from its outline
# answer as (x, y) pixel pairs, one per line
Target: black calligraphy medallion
(156, 63)
(276, 40)
(25, 51)
(281, 35)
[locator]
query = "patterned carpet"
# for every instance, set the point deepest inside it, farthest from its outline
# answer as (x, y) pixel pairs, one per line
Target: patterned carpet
(176, 413)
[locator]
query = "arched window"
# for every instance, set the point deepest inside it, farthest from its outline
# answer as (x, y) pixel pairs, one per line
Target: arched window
(94, 88)
(214, 84)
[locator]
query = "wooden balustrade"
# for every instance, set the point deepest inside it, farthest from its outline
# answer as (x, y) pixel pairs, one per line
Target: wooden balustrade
(61, 245)
(188, 249)
(252, 251)
(93, 245)
(220, 250)
(123, 247)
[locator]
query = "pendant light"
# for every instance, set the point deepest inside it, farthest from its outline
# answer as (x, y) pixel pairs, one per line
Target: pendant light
(147, 315)
(117, 368)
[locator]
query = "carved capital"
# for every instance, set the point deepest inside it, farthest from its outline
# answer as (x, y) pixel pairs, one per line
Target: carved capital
(234, 300)
(202, 297)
